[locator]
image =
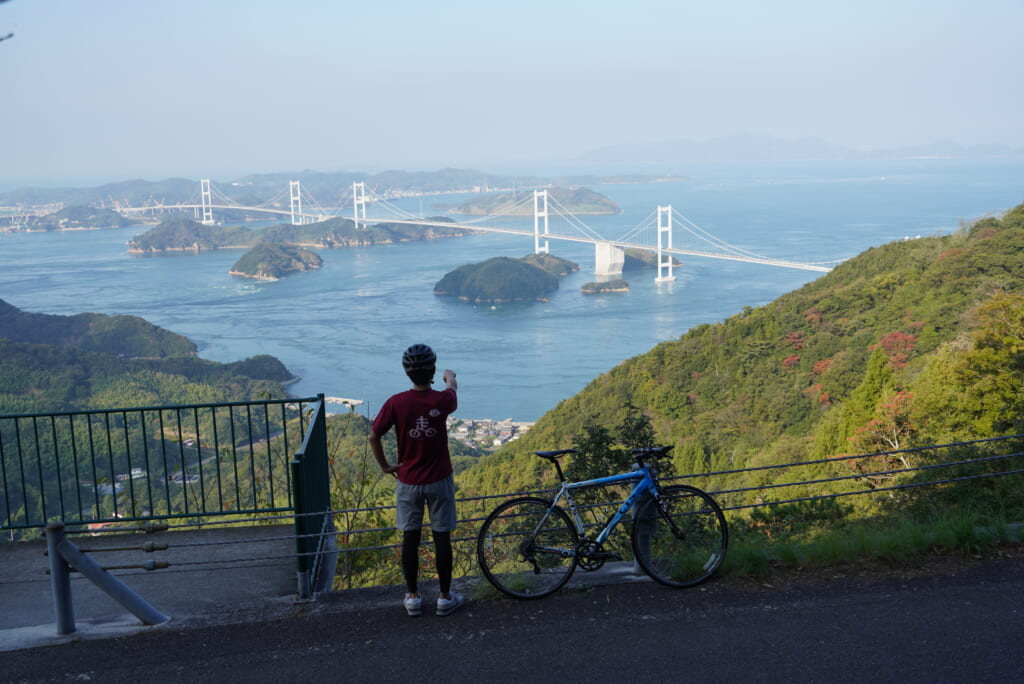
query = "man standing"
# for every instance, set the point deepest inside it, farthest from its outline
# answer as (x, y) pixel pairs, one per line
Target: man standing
(423, 470)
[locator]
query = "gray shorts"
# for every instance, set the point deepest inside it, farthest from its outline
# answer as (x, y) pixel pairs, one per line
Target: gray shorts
(439, 498)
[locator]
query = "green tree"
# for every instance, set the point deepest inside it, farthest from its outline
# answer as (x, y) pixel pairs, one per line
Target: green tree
(992, 374)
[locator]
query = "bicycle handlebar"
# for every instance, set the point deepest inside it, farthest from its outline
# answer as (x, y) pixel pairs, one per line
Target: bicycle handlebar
(653, 451)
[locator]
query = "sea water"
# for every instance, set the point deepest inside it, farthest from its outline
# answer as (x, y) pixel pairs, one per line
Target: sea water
(342, 328)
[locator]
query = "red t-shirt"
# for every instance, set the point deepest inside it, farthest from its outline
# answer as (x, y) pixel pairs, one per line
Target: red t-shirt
(419, 419)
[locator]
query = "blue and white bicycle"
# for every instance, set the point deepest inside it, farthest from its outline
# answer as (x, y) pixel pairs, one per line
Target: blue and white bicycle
(529, 547)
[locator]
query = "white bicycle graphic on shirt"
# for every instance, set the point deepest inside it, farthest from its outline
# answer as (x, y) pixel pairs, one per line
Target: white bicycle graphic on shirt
(422, 429)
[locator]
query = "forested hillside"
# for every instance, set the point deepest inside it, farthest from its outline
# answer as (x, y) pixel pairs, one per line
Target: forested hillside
(77, 218)
(54, 363)
(575, 200)
(914, 342)
(127, 336)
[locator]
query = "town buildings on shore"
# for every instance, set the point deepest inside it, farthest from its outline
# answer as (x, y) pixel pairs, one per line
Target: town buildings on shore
(486, 433)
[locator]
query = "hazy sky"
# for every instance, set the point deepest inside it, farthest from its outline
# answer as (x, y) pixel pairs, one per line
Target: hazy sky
(111, 89)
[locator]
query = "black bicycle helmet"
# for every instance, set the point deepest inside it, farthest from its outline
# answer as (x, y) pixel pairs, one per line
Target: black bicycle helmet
(418, 357)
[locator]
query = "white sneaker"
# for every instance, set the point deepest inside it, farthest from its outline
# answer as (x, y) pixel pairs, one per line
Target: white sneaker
(413, 606)
(450, 605)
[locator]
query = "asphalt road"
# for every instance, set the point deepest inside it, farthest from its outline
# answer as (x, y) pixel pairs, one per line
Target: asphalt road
(952, 621)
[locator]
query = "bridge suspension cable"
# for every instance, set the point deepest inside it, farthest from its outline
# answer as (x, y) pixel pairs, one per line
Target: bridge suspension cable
(509, 210)
(332, 211)
(194, 197)
(574, 220)
(697, 231)
(706, 244)
(219, 195)
(398, 211)
(273, 201)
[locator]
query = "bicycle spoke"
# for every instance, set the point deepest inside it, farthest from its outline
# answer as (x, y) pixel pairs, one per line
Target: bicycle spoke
(684, 544)
(526, 548)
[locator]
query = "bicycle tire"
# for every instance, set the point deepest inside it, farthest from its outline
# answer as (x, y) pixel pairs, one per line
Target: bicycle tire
(692, 556)
(509, 553)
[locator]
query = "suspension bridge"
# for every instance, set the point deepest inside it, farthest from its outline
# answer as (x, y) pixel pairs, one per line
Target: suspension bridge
(665, 232)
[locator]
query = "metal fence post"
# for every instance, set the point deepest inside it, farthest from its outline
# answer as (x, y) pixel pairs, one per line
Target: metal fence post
(110, 585)
(60, 579)
(301, 559)
(312, 496)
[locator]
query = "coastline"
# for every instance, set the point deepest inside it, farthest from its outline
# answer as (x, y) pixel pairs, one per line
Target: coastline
(256, 276)
(530, 213)
(858, 209)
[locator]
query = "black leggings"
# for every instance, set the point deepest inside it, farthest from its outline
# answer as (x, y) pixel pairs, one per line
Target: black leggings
(411, 559)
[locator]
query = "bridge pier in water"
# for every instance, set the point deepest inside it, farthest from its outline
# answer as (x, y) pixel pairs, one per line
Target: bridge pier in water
(608, 259)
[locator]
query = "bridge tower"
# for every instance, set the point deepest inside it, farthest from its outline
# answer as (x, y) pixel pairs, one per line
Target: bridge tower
(664, 242)
(359, 203)
(207, 200)
(540, 212)
(295, 191)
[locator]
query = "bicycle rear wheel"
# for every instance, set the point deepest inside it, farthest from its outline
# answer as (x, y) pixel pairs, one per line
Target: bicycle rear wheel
(527, 548)
(684, 544)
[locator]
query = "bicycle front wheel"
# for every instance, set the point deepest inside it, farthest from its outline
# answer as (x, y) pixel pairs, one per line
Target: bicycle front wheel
(684, 544)
(527, 548)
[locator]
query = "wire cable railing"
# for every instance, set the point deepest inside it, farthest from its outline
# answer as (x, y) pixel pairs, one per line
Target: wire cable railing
(366, 554)
(734, 500)
(237, 453)
(377, 539)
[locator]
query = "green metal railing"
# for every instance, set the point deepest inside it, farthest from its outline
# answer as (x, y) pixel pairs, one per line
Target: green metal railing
(316, 552)
(197, 461)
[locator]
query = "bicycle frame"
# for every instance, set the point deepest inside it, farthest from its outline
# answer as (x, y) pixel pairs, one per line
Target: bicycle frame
(530, 546)
(644, 484)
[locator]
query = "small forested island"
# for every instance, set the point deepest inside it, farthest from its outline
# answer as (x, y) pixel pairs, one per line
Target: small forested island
(503, 279)
(182, 234)
(636, 259)
(78, 218)
(616, 285)
(556, 266)
(268, 261)
(576, 200)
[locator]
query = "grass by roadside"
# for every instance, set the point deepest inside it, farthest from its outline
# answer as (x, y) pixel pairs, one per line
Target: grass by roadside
(872, 545)
(874, 548)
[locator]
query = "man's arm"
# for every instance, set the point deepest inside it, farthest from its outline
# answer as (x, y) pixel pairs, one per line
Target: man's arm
(377, 447)
(451, 384)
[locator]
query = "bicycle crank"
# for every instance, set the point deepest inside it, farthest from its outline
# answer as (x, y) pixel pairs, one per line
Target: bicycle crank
(592, 556)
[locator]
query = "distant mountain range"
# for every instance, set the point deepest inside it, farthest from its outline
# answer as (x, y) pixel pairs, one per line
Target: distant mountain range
(766, 148)
(330, 188)
(335, 188)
